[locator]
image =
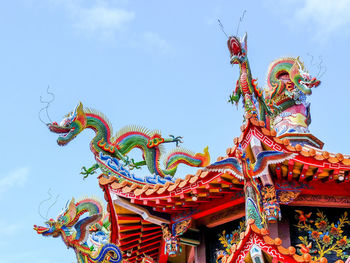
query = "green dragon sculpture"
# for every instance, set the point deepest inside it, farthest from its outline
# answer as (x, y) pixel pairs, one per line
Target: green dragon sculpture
(88, 236)
(288, 85)
(246, 87)
(127, 139)
(289, 82)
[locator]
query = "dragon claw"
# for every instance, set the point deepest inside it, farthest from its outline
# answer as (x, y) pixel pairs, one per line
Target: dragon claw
(132, 165)
(176, 139)
(89, 171)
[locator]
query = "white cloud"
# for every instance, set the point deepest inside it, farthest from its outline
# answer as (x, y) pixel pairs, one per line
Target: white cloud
(96, 18)
(102, 19)
(15, 178)
(319, 19)
(328, 15)
(156, 41)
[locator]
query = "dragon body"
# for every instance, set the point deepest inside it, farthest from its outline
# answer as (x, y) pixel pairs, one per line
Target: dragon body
(246, 87)
(288, 85)
(87, 234)
(129, 138)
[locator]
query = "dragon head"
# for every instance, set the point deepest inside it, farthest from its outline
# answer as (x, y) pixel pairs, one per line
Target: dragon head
(59, 226)
(70, 126)
(301, 78)
(53, 228)
(238, 49)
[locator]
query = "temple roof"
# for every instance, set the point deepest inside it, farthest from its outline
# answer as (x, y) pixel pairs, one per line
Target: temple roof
(308, 166)
(322, 173)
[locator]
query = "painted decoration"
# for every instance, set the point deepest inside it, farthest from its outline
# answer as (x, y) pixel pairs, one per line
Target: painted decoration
(321, 232)
(172, 246)
(220, 239)
(270, 203)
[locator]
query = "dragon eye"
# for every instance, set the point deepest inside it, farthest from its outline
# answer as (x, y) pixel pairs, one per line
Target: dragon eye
(65, 122)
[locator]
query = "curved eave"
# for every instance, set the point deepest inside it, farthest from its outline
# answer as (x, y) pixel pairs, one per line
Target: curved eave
(309, 163)
(185, 194)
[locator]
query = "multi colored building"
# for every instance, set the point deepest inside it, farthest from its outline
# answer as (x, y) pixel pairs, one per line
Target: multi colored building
(275, 195)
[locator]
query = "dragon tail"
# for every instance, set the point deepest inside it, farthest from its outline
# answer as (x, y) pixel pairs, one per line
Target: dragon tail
(188, 158)
(111, 251)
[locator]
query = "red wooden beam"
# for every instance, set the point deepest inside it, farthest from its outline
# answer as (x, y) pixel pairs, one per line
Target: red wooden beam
(153, 254)
(161, 202)
(163, 258)
(217, 207)
(113, 217)
(227, 190)
(150, 242)
(128, 234)
(147, 228)
(147, 202)
(316, 175)
(178, 208)
(129, 246)
(158, 209)
(184, 195)
(279, 171)
(213, 186)
(202, 199)
(189, 204)
(128, 217)
(149, 248)
(238, 187)
(129, 227)
(151, 238)
(129, 240)
(290, 170)
(302, 176)
(333, 175)
(171, 210)
(215, 195)
(199, 191)
(221, 180)
(173, 199)
(150, 233)
(132, 257)
(136, 201)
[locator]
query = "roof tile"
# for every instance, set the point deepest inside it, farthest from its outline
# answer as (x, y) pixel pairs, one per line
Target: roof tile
(194, 179)
(142, 190)
(164, 188)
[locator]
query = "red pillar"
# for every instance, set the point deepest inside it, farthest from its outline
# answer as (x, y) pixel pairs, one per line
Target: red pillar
(163, 258)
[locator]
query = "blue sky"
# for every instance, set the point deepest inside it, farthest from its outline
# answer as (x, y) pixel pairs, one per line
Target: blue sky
(160, 64)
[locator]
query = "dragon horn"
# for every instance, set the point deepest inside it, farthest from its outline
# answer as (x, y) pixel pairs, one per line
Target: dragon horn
(72, 210)
(244, 41)
(80, 107)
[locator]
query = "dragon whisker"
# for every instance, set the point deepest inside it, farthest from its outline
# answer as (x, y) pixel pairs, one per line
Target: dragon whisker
(47, 105)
